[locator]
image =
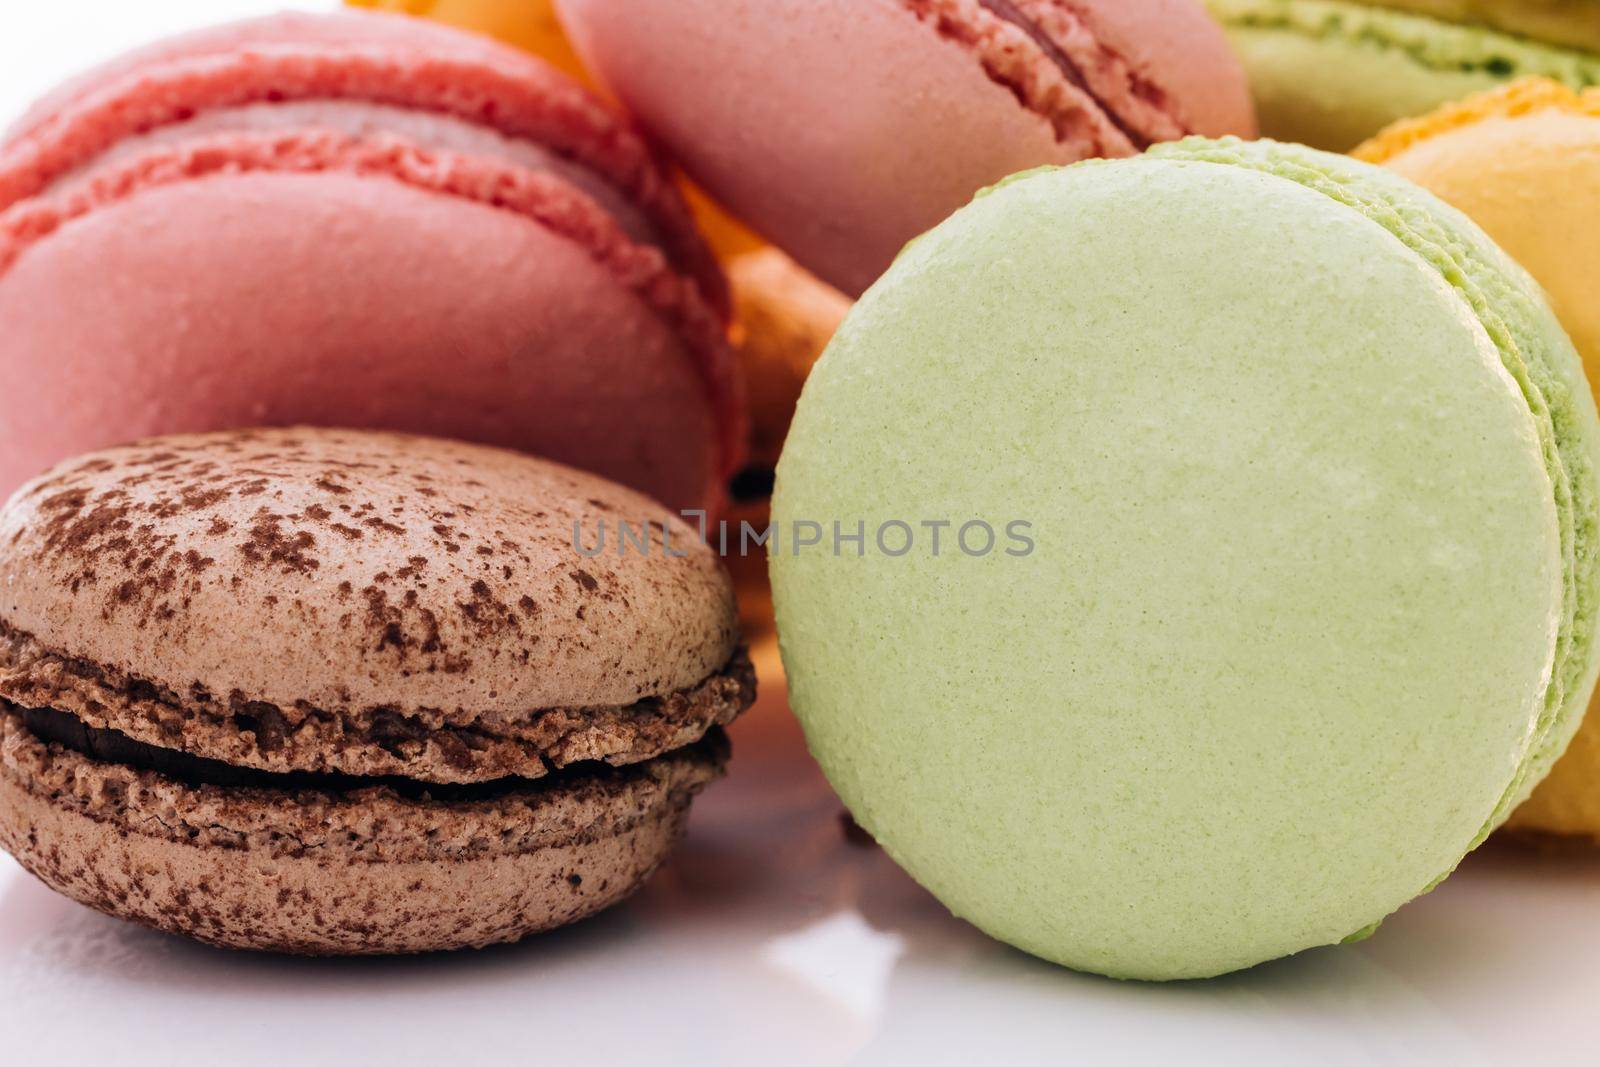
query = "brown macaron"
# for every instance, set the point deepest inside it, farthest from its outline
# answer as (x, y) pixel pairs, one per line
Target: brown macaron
(336, 692)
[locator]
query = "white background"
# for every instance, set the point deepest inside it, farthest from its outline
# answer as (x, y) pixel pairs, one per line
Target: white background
(771, 940)
(42, 41)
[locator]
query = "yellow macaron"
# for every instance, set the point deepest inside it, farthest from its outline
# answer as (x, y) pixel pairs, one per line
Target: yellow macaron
(1524, 163)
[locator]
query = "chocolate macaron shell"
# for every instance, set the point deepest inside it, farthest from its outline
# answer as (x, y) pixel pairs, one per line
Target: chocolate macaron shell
(360, 873)
(366, 604)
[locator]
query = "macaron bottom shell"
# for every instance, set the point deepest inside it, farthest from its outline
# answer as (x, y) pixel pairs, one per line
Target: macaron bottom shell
(1274, 664)
(316, 874)
(345, 299)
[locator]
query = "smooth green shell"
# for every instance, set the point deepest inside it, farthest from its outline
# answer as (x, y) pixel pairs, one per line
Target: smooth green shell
(1310, 486)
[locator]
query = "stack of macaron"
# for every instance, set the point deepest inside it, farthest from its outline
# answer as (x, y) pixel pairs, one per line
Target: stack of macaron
(369, 222)
(1215, 523)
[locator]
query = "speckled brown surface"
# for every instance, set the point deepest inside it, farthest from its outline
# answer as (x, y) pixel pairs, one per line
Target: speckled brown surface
(365, 571)
(297, 601)
(363, 873)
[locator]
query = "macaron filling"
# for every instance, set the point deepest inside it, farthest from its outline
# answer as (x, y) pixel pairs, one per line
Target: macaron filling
(1426, 42)
(53, 727)
(1532, 349)
(256, 737)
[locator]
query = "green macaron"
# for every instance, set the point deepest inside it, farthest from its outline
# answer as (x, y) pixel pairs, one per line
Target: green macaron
(1289, 586)
(1331, 73)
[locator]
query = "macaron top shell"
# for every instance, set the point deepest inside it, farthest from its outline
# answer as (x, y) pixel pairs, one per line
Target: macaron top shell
(1305, 559)
(1528, 98)
(371, 58)
(344, 570)
(1445, 47)
(287, 28)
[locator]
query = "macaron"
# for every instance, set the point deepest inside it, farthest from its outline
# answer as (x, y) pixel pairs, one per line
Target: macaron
(840, 129)
(1331, 73)
(1204, 593)
(357, 220)
(1524, 163)
(339, 692)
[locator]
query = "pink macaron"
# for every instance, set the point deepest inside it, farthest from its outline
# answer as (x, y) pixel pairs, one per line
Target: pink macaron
(357, 220)
(841, 129)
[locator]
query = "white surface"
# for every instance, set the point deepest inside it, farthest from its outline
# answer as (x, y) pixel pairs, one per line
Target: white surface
(772, 940)
(43, 41)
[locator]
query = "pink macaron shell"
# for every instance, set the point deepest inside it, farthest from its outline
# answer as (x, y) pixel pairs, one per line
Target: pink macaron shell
(838, 128)
(356, 57)
(324, 281)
